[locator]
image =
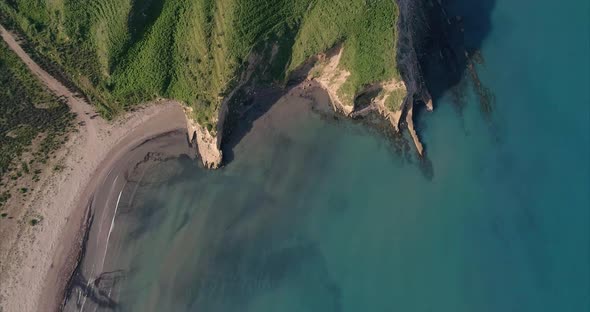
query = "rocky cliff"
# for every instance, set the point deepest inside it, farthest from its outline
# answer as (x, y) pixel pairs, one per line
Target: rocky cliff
(209, 54)
(393, 98)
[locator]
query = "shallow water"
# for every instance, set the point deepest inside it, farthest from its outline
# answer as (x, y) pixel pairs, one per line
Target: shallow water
(321, 215)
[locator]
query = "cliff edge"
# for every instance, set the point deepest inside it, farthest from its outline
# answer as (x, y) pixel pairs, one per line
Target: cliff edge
(392, 96)
(208, 54)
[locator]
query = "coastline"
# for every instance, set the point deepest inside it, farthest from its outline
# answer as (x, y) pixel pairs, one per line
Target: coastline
(35, 260)
(99, 280)
(36, 271)
(49, 255)
(85, 265)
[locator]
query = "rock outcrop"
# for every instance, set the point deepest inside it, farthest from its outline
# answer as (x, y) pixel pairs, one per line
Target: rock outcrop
(388, 102)
(411, 27)
(332, 77)
(393, 99)
(208, 144)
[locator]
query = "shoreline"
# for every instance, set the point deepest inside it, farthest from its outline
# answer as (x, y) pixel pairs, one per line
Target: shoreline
(95, 281)
(89, 262)
(94, 149)
(161, 119)
(100, 283)
(34, 259)
(36, 271)
(94, 233)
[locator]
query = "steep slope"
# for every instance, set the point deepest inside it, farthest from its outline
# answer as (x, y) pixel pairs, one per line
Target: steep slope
(123, 52)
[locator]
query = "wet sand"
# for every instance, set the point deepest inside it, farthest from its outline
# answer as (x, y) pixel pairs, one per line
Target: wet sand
(35, 271)
(125, 166)
(37, 262)
(78, 204)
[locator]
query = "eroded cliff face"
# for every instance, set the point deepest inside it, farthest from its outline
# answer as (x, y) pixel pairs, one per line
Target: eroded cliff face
(393, 99)
(208, 144)
(389, 103)
(412, 25)
(332, 77)
(384, 97)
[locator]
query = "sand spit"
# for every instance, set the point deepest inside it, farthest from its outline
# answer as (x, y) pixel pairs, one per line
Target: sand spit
(35, 260)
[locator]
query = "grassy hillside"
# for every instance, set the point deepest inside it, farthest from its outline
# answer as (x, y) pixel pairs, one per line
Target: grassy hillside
(28, 113)
(121, 52)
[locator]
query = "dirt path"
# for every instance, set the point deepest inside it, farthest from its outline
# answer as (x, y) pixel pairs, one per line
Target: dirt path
(76, 104)
(36, 261)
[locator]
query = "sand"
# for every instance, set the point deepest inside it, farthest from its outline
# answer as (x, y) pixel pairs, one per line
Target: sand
(36, 261)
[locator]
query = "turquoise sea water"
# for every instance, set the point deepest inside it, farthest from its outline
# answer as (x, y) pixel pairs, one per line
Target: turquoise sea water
(318, 215)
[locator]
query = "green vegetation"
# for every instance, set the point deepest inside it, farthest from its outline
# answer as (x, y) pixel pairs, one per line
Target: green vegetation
(122, 52)
(25, 167)
(395, 99)
(27, 113)
(4, 196)
(367, 31)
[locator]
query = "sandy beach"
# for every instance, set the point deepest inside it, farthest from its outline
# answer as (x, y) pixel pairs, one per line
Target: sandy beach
(37, 261)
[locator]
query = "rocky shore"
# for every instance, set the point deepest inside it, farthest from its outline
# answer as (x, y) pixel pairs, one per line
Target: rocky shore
(412, 24)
